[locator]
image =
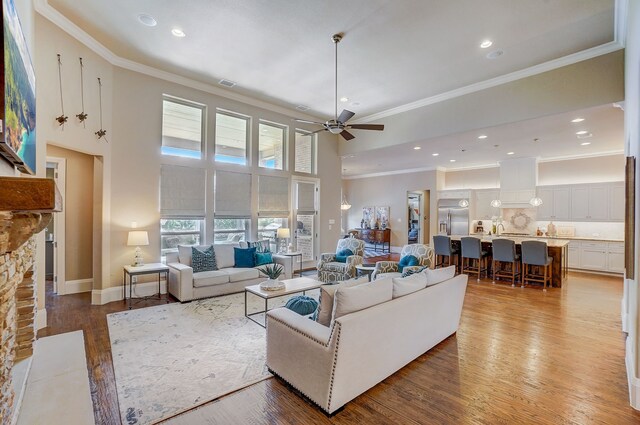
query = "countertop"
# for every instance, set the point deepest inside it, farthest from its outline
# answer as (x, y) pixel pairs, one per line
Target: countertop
(569, 238)
(551, 242)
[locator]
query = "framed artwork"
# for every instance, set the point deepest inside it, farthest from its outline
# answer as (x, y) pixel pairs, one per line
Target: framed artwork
(367, 213)
(382, 216)
(18, 144)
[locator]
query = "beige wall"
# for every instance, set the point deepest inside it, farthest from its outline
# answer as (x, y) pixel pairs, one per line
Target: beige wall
(481, 178)
(391, 191)
(78, 202)
(585, 170)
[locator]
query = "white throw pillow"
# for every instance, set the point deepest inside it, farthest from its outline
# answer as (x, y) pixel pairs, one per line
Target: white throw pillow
(326, 298)
(356, 298)
(406, 285)
(225, 254)
(439, 275)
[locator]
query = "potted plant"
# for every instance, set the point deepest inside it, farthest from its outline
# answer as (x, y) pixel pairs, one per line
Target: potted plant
(273, 272)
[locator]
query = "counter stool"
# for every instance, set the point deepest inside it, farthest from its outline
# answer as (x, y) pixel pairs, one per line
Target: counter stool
(442, 248)
(534, 253)
(504, 251)
(472, 250)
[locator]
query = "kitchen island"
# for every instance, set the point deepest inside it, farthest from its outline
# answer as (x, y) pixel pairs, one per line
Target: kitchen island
(558, 250)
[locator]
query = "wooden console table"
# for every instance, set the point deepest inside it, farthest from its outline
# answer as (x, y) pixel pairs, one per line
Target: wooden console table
(376, 237)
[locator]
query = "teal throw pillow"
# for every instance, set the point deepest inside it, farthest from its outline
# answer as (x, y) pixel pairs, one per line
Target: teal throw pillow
(244, 257)
(302, 305)
(341, 256)
(408, 260)
(203, 261)
(412, 271)
(262, 258)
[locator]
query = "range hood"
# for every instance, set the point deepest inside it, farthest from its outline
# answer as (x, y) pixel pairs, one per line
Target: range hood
(518, 179)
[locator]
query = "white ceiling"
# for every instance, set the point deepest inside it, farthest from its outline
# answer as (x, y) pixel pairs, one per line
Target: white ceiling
(556, 139)
(394, 52)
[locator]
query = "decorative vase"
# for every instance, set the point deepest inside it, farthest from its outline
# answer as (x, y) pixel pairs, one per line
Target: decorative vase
(372, 223)
(272, 285)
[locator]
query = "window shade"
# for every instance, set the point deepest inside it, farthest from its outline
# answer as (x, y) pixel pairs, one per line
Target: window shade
(182, 191)
(232, 194)
(306, 197)
(273, 196)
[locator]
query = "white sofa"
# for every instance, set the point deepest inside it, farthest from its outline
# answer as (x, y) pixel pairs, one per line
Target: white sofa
(333, 365)
(186, 285)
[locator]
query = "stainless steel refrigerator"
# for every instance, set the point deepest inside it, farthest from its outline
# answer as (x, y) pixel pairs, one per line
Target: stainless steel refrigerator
(452, 218)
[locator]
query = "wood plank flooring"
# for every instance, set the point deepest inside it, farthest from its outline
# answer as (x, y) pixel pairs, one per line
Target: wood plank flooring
(520, 356)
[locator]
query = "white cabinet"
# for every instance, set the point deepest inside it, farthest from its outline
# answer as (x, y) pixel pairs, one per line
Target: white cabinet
(598, 202)
(579, 203)
(483, 208)
(615, 257)
(555, 203)
(616, 202)
(574, 255)
(593, 256)
(598, 256)
(595, 202)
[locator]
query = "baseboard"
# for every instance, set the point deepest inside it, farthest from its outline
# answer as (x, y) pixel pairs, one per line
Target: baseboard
(108, 295)
(634, 383)
(41, 319)
(78, 286)
(19, 396)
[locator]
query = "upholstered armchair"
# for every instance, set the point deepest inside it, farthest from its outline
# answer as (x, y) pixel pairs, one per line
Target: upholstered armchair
(424, 254)
(331, 271)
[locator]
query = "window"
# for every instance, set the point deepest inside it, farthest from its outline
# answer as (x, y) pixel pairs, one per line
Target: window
(182, 128)
(179, 231)
(305, 152)
(271, 146)
(231, 142)
(267, 228)
(233, 229)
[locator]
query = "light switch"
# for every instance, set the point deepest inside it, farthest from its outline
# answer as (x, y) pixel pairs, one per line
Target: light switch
(330, 227)
(332, 221)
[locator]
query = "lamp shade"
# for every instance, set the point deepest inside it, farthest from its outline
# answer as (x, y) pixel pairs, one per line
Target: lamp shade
(283, 233)
(138, 238)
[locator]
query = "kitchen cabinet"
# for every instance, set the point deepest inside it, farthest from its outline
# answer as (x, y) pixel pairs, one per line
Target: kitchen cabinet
(574, 255)
(593, 256)
(483, 208)
(592, 202)
(597, 256)
(579, 203)
(555, 203)
(616, 201)
(615, 257)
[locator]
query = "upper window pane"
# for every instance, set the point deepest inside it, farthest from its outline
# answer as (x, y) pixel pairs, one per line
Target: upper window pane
(271, 146)
(305, 153)
(231, 139)
(182, 128)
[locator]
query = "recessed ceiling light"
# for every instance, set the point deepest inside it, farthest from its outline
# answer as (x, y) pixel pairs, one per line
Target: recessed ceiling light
(585, 143)
(226, 83)
(452, 160)
(178, 32)
(581, 132)
(302, 108)
(577, 120)
(344, 99)
(417, 148)
(510, 153)
(486, 43)
(495, 54)
(147, 20)
(435, 154)
(482, 136)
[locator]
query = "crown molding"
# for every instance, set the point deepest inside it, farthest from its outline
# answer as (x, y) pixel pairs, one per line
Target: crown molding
(390, 173)
(582, 156)
(47, 11)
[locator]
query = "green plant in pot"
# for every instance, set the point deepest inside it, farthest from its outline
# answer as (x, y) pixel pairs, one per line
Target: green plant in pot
(273, 272)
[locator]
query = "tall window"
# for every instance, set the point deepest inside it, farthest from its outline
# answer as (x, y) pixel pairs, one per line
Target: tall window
(182, 128)
(268, 227)
(232, 138)
(179, 231)
(305, 146)
(271, 146)
(232, 229)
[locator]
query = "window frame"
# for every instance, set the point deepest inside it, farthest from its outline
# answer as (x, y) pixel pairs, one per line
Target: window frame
(200, 232)
(314, 144)
(203, 126)
(246, 230)
(247, 148)
(285, 131)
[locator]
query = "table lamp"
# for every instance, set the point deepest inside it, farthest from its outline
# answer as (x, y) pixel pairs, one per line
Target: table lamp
(138, 238)
(283, 234)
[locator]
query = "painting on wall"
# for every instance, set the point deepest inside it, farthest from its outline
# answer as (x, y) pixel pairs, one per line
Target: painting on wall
(19, 142)
(382, 217)
(367, 214)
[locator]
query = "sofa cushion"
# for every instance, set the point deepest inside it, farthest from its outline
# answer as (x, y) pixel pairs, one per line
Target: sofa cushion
(439, 275)
(236, 274)
(224, 254)
(263, 258)
(356, 298)
(405, 285)
(341, 256)
(244, 257)
(184, 253)
(407, 260)
(261, 246)
(390, 274)
(326, 298)
(408, 271)
(203, 261)
(210, 278)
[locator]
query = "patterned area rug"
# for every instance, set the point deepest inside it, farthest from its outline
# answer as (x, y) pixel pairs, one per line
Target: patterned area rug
(170, 358)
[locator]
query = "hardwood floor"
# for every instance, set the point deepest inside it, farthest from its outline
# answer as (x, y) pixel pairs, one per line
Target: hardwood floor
(520, 356)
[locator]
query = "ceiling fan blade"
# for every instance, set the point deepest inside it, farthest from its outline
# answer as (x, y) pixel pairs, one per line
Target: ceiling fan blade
(345, 116)
(346, 135)
(308, 122)
(378, 127)
(310, 134)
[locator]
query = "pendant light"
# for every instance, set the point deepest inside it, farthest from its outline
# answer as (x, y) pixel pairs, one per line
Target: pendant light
(344, 205)
(535, 201)
(463, 203)
(496, 203)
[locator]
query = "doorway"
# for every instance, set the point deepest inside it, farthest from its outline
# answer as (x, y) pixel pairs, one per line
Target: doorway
(418, 217)
(305, 201)
(55, 231)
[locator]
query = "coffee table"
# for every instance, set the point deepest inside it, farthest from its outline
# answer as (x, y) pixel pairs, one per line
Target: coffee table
(366, 268)
(291, 286)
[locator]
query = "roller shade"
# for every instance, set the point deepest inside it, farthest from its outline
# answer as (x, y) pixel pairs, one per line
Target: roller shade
(182, 191)
(273, 196)
(232, 194)
(306, 197)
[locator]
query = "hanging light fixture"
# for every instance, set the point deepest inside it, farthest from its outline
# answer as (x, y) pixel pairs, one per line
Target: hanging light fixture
(535, 201)
(344, 205)
(463, 203)
(496, 203)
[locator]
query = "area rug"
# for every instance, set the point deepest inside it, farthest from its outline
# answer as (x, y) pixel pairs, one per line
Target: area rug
(170, 358)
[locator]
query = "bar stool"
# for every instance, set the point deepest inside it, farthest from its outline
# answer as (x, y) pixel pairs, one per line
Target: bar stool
(534, 253)
(504, 251)
(442, 248)
(472, 250)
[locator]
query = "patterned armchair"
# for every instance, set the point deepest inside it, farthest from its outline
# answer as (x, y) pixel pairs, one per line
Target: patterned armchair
(331, 271)
(424, 254)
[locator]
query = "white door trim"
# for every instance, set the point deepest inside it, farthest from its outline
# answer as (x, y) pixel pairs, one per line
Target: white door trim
(59, 227)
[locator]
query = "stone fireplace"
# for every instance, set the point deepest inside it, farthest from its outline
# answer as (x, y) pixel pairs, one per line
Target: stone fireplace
(26, 205)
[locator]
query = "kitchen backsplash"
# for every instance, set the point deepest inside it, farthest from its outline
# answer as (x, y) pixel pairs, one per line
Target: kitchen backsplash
(591, 229)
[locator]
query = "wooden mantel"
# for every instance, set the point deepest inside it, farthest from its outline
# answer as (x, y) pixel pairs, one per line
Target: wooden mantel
(26, 205)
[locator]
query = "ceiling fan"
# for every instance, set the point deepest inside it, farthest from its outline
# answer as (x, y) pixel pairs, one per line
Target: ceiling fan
(338, 125)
